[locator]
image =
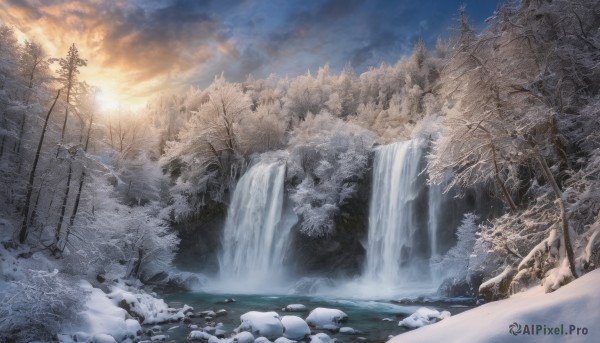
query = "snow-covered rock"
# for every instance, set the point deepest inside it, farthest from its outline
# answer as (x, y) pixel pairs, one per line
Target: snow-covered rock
(262, 340)
(295, 327)
(321, 316)
(284, 340)
(423, 316)
(321, 338)
(159, 338)
(146, 308)
(266, 324)
(243, 337)
(197, 335)
(102, 338)
(134, 329)
(294, 308)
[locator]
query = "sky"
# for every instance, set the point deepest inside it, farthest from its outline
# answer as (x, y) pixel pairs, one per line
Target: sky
(137, 48)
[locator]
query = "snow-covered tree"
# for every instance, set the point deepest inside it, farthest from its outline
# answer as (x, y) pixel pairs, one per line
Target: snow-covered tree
(328, 157)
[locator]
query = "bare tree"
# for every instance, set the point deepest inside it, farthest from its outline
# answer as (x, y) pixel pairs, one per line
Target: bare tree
(25, 212)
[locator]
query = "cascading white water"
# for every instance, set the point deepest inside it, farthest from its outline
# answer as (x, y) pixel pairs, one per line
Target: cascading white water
(257, 231)
(394, 216)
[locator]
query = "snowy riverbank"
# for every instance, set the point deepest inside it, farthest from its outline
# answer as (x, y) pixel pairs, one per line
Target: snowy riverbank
(576, 304)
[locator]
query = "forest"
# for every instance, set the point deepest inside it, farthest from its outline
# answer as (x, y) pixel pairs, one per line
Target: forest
(506, 117)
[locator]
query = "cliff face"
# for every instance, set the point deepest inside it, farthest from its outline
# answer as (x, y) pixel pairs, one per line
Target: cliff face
(201, 239)
(341, 253)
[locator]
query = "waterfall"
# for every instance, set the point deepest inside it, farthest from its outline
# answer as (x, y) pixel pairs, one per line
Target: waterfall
(397, 250)
(257, 230)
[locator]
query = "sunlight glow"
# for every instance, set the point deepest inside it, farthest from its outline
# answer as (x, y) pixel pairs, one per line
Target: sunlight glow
(107, 101)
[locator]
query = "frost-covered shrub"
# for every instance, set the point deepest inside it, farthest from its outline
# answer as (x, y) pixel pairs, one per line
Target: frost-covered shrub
(121, 241)
(455, 263)
(328, 157)
(36, 307)
(528, 240)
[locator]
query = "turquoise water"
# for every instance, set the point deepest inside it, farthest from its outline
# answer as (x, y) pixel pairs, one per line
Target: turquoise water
(364, 315)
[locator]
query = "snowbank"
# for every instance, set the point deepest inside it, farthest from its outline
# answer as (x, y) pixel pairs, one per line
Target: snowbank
(109, 315)
(320, 316)
(102, 317)
(577, 304)
(423, 316)
(266, 324)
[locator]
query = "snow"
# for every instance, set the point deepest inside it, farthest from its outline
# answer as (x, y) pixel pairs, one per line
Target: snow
(103, 338)
(266, 324)
(133, 328)
(321, 338)
(152, 310)
(284, 340)
(199, 335)
(577, 303)
(320, 316)
(423, 316)
(295, 327)
(243, 337)
(295, 308)
(102, 316)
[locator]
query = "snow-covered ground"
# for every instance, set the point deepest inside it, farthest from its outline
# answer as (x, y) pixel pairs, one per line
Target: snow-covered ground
(576, 305)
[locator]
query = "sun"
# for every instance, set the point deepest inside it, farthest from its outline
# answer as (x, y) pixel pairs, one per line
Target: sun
(107, 101)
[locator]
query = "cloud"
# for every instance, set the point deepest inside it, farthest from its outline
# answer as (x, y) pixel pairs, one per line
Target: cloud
(137, 47)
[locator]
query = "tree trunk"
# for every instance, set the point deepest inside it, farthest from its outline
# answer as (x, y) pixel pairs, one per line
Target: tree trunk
(63, 206)
(505, 192)
(62, 133)
(563, 214)
(75, 209)
(138, 263)
(25, 213)
(81, 180)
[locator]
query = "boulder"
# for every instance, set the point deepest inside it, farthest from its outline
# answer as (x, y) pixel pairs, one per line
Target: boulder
(266, 324)
(321, 316)
(295, 328)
